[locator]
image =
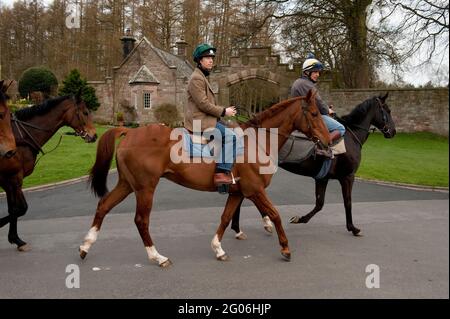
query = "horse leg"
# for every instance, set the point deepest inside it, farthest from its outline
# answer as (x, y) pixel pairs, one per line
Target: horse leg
(346, 186)
(235, 223)
(321, 187)
(17, 207)
(104, 206)
(144, 202)
(233, 202)
(263, 204)
(268, 225)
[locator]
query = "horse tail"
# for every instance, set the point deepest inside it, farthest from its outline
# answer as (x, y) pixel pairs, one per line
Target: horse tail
(105, 151)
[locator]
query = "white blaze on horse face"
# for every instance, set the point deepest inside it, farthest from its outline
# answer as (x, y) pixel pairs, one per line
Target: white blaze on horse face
(217, 247)
(154, 255)
(90, 238)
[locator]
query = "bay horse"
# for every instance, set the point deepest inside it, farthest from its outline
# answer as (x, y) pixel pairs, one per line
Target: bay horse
(32, 128)
(7, 141)
(373, 111)
(143, 156)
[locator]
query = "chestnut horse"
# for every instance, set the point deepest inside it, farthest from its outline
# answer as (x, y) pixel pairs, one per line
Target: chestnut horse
(7, 141)
(143, 156)
(32, 128)
(373, 111)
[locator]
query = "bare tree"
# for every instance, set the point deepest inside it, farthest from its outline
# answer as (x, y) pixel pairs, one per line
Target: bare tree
(423, 24)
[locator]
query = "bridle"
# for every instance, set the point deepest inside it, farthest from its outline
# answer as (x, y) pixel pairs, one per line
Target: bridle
(385, 129)
(82, 133)
(31, 141)
(314, 139)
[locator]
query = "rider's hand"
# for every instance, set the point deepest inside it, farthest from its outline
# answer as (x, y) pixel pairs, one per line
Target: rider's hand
(230, 111)
(330, 109)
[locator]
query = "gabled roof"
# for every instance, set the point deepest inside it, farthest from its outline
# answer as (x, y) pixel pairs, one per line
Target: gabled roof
(183, 68)
(144, 75)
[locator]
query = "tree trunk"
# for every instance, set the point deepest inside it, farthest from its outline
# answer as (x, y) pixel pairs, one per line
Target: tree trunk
(357, 65)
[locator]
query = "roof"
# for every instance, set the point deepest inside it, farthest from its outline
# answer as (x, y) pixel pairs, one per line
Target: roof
(183, 68)
(144, 75)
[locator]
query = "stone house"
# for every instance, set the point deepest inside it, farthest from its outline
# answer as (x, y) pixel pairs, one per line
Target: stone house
(147, 77)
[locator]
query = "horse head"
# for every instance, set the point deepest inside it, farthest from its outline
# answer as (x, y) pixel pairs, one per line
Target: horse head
(7, 140)
(80, 119)
(310, 121)
(383, 119)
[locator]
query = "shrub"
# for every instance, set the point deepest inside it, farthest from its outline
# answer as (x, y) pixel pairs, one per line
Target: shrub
(37, 79)
(119, 117)
(168, 114)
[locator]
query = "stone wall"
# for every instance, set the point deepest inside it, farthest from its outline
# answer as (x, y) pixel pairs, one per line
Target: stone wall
(104, 92)
(413, 110)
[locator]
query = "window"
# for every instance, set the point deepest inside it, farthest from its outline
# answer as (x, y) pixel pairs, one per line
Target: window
(147, 100)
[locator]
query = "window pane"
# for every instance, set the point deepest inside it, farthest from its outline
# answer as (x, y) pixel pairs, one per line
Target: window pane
(147, 100)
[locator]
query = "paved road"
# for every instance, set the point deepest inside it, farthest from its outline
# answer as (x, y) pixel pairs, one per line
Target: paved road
(405, 235)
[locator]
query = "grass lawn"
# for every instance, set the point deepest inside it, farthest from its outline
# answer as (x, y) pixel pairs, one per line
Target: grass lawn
(417, 158)
(414, 158)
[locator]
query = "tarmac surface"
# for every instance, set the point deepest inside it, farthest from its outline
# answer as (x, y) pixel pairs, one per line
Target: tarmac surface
(405, 239)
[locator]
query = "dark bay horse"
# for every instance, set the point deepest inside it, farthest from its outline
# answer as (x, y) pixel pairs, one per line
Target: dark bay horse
(373, 111)
(32, 128)
(143, 156)
(7, 141)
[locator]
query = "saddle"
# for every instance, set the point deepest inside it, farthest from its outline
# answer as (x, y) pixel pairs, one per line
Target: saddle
(299, 148)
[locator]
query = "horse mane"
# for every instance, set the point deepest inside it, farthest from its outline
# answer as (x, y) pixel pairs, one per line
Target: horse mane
(274, 109)
(358, 113)
(39, 109)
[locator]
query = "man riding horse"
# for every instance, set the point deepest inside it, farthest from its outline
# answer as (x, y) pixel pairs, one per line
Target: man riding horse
(202, 107)
(310, 74)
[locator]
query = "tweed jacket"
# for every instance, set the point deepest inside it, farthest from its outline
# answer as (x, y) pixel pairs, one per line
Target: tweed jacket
(201, 103)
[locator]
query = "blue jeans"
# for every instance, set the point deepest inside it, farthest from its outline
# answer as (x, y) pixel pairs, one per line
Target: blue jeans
(333, 125)
(228, 152)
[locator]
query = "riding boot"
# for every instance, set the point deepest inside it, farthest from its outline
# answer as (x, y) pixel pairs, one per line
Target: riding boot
(335, 136)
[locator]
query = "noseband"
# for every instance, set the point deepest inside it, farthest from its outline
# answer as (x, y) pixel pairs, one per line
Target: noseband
(82, 133)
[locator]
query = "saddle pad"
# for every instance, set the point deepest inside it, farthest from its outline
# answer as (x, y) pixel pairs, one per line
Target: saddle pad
(339, 148)
(196, 149)
(297, 148)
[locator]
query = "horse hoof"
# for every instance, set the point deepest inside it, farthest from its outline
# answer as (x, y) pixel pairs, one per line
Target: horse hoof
(224, 257)
(357, 233)
(287, 256)
(298, 220)
(24, 248)
(165, 264)
(83, 254)
(241, 236)
(269, 229)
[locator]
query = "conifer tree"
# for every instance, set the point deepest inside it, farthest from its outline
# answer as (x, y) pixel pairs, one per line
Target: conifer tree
(73, 83)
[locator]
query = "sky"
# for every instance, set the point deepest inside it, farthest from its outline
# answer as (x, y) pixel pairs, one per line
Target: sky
(414, 74)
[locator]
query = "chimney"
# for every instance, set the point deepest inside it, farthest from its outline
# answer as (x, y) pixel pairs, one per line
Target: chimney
(127, 43)
(181, 48)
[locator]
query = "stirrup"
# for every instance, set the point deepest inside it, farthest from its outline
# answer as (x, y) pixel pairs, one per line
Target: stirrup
(225, 188)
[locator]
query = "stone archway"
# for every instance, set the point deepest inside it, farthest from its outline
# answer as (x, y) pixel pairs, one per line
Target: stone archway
(254, 91)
